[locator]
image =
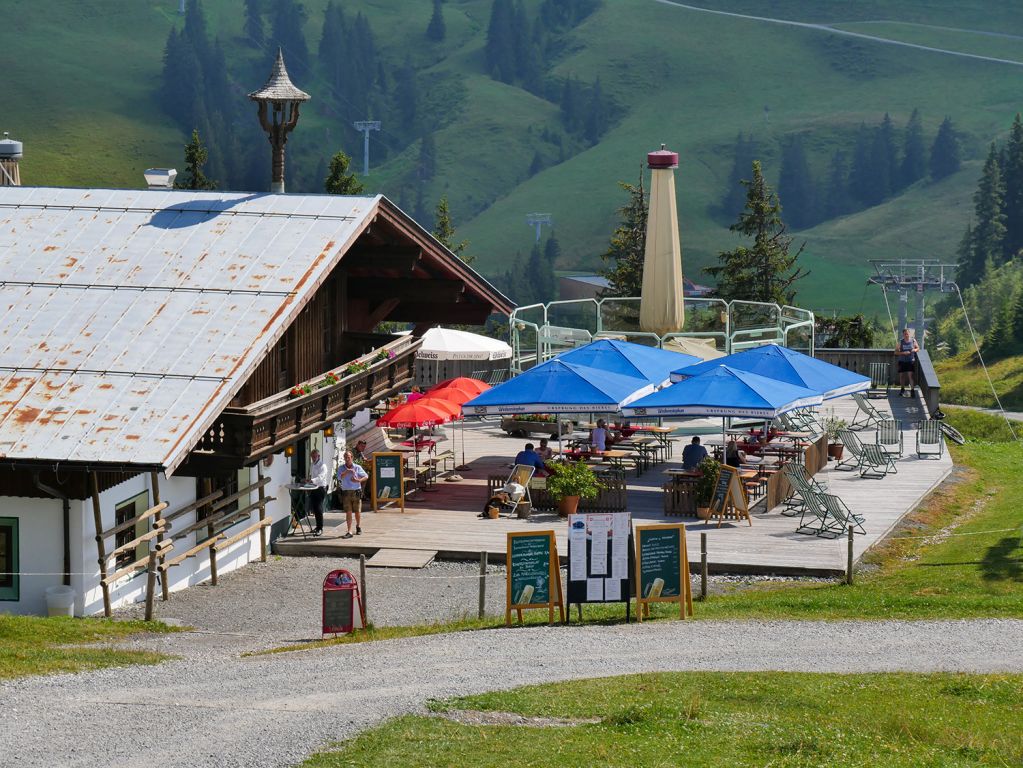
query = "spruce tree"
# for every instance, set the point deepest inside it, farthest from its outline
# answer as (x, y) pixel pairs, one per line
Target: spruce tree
(499, 50)
(796, 185)
(744, 152)
(552, 250)
(945, 154)
(627, 246)
(255, 32)
(571, 106)
(287, 32)
(767, 270)
(890, 153)
(444, 230)
(836, 196)
(339, 181)
(861, 175)
(596, 114)
(196, 156)
(1016, 315)
(1012, 204)
(966, 274)
(520, 40)
(406, 97)
(881, 168)
(332, 42)
(541, 275)
(989, 230)
(436, 30)
(914, 152)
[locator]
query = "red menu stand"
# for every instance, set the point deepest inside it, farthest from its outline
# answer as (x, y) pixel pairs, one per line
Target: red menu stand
(340, 595)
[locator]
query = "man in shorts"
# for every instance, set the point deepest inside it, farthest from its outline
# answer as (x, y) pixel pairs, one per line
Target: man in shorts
(906, 352)
(351, 478)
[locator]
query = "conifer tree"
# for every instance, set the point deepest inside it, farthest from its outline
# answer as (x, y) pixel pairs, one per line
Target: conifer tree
(989, 230)
(571, 106)
(837, 201)
(1016, 315)
(499, 50)
(596, 114)
(444, 230)
(287, 32)
(889, 153)
(541, 275)
(552, 250)
(861, 175)
(339, 181)
(332, 43)
(965, 271)
(914, 152)
(520, 39)
(196, 156)
(796, 184)
(744, 152)
(1012, 204)
(945, 159)
(436, 30)
(255, 32)
(406, 96)
(427, 167)
(766, 270)
(627, 245)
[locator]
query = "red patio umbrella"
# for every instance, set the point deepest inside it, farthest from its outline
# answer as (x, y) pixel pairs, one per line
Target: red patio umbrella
(472, 386)
(456, 394)
(418, 413)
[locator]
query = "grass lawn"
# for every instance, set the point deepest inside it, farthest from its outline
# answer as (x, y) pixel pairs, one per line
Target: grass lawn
(705, 718)
(963, 381)
(31, 645)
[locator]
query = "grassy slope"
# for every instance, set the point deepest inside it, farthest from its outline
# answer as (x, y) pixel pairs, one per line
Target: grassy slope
(692, 80)
(963, 382)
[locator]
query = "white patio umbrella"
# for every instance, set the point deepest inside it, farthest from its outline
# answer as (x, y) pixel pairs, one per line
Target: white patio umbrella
(448, 344)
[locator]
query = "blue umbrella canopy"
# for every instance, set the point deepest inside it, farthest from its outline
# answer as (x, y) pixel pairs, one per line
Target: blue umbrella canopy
(648, 363)
(724, 391)
(783, 364)
(559, 387)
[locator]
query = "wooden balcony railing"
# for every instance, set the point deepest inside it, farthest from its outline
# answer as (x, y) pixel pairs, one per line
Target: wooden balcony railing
(241, 436)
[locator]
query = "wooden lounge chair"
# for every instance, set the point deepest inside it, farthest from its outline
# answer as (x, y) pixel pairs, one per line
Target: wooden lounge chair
(853, 447)
(875, 463)
(929, 440)
(871, 416)
(889, 437)
(880, 374)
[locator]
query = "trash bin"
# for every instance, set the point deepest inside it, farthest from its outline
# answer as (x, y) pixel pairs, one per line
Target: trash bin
(60, 601)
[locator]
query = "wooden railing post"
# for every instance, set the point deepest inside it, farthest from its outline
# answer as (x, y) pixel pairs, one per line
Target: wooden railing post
(155, 481)
(151, 583)
(100, 546)
(262, 513)
(207, 486)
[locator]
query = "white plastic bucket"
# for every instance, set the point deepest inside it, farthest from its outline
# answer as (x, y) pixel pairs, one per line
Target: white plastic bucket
(60, 601)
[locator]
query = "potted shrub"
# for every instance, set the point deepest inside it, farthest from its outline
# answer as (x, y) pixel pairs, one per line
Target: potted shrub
(570, 482)
(832, 427)
(709, 469)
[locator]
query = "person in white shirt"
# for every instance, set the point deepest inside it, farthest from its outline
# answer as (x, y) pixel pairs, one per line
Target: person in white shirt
(319, 475)
(351, 477)
(598, 437)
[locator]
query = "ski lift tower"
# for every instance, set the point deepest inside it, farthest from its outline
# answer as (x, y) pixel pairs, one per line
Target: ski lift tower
(918, 276)
(537, 220)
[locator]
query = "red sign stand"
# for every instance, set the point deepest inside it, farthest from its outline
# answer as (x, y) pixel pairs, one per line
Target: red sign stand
(340, 594)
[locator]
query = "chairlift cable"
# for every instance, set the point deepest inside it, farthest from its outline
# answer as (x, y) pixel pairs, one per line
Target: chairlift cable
(891, 320)
(976, 346)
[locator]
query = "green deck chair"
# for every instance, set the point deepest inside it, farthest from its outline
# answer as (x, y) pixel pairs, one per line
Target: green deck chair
(889, 437)
(875, 463)
(839, 517)
(929, 440)
(879, 379)
(796, 474)
(867, 415)
(853, 447)
(814, 516)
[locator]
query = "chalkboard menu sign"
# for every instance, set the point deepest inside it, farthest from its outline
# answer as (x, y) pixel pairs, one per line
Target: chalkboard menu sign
(662, 568)
(729, 499)
(719, 499)
(533, 574)
(600, 558)
(387, 478)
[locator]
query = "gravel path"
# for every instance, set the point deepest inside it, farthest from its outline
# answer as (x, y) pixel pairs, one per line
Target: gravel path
(275, 710)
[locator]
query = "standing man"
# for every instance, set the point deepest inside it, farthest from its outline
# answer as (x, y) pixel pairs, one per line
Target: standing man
(352, 477)
(319, 475)
(906, 351)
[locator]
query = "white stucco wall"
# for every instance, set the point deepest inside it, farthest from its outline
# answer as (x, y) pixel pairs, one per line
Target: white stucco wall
(40, 550)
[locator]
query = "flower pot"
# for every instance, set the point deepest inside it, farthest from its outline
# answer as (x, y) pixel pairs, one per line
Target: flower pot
(703, 513)
(835, 450)
(567, 505)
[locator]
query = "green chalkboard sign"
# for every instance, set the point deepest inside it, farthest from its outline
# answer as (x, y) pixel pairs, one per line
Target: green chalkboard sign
(719, 499)
(660, 563)
(533, 573)
(388, 479)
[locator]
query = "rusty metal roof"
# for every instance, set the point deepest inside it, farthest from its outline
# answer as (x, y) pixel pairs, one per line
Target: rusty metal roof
(130, 318)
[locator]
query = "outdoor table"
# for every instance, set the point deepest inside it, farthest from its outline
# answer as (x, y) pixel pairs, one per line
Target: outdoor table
(662, 434)
(300, 507)
(617, 458)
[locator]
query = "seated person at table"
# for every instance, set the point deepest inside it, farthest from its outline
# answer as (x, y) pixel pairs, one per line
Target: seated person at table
(693, 454)
(733, 456)
(529, 457)
(599, 436)
(545, 452)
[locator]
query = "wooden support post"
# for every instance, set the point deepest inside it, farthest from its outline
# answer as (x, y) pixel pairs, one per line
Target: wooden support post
(262, 512)
(362, 589)
(849, 559)
(207, 486)
(155, 482)
(483, 583)
(100, 547)
(703, 566)
(151, 583)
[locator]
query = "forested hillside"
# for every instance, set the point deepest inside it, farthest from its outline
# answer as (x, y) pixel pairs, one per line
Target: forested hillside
(872, 120)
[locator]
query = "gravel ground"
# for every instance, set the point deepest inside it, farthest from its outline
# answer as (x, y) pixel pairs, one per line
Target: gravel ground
(275, 710)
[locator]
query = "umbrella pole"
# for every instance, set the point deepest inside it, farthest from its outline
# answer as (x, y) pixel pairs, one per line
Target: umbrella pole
(461, 428)
(724, 441)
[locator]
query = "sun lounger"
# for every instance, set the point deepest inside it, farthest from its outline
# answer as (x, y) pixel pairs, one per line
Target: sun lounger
(880, 375)
(875, 463)
(889, 437)
(867, 415)
(853, 447)
(929, 440)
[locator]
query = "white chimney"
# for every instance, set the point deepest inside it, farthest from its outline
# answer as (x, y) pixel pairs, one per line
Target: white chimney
(10, 157)
(160, 178)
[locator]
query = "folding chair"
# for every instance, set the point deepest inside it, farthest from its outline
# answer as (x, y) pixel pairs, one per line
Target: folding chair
(929, 440)
(516, 487)
(854, 448)
(865, 409)
(797, 475)
(814, 508)
(875, 463)
(879, 379)
(840, 517)
(889, 437)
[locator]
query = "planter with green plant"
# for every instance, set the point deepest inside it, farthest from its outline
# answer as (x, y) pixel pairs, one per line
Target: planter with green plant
(832, 426)
(709, 468)
(570, 482)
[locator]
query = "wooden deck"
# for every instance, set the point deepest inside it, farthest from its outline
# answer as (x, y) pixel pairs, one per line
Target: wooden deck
(445, 520)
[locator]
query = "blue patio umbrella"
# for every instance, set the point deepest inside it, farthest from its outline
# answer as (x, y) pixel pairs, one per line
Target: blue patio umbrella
(648, 363)
(787, 365)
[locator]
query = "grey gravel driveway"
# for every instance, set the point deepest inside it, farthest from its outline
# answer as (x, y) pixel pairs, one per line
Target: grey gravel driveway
(275, 710)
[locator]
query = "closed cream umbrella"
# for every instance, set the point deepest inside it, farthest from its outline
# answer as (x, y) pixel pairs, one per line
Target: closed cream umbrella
(661, 308)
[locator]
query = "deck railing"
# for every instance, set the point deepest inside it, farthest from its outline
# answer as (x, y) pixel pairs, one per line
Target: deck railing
(859, 360)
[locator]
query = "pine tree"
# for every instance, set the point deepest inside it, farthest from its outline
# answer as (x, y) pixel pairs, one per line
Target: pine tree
(945, 159)
(627, 246)
(332, 41)
(966, 273)
(861, 176)
(837, 201)
(914, 152)
(287, 32)
(889, 153)
(536, 165)
(596, 114)
(520, 39)
(436, 30)
(499, 51)
(1012, 204)
(444, 230)
(339, 181)
(406, 96)
(1016, 315)
(744, 153)
(571, 105)
(255, 32)
(796, 185)
(767, 270)
(989, 230)
(552, 250)
(541, 274)
(996, 340)
(196, 156)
